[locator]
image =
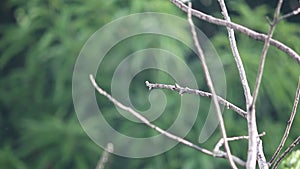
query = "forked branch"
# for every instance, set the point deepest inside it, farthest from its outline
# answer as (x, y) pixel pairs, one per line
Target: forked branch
(237, 56)
(240, 28)
(183, 90)
(145, 121)
(210, 86)
(252, 129)
(254, 141)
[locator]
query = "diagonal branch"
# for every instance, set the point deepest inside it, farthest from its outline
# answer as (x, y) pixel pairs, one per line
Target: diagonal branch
(158, 129)
(293, 13)
(210, 86)
(252, 129)
(104, 158)
(286, 152)
(145, 120)
(265, 51)
(289, 124)
(182, 90)
(254, 141)
(236, 55)
(240, 28)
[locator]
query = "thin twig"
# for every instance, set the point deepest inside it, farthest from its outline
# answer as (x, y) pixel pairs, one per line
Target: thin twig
(158, 129)
(265, 51)
(252, 127)
(240, 28)
(221, 141)
(236, 55)
(289, 124)
(286, 152)
(210, 86)
(182, 90)
(293, 13)
(104, 158)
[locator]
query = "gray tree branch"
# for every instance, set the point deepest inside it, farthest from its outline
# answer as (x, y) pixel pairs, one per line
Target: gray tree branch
(289, 125)
(144, 120)
(240, 28)
(210, 86)
(183, 90)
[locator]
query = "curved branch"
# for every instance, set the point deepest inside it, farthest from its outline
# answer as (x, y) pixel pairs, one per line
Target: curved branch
(145, 121)
(240, 28)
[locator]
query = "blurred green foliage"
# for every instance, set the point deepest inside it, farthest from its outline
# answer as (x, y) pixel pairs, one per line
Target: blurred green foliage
(38, 51)
(292, 161)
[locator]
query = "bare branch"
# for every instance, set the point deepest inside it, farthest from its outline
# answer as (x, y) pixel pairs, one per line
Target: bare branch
(158, 129)
(221, 141)
(286, 152)
(222, 154)
(145, 120)
(240, 28)
(289, 124)
(265, 51)
(183, 90)
(210, 86)
(237, 56)
(261, 159)
(104, 158)
(293, 13)
(252, 127)
(253, 137)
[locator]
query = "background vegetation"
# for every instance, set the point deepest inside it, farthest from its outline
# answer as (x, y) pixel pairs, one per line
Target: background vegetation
(39, 43)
